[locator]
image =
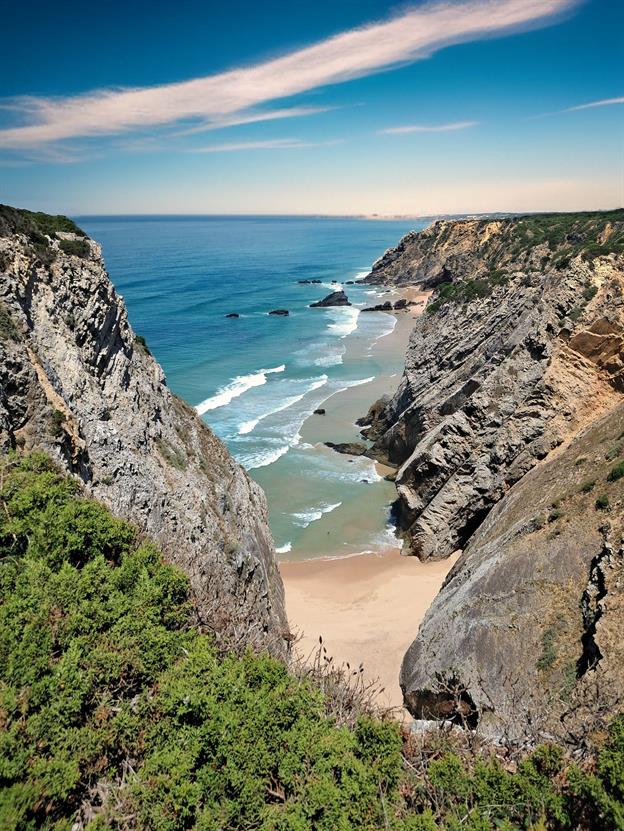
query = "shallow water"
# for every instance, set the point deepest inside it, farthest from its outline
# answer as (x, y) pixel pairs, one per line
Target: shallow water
(257, 378)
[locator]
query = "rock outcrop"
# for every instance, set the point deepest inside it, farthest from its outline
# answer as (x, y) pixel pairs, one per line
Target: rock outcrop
(526, 638)
(511, 358)
(514, 374)
(336, 298)
(76, 382)
(350, 448)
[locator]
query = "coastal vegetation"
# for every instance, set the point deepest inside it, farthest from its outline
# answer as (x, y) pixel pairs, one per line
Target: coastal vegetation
(117, 713)
(21, 221)
(39, 228)
(560, 238)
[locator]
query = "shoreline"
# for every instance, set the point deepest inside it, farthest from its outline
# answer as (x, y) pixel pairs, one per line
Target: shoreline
(367, 605)
(342, 409)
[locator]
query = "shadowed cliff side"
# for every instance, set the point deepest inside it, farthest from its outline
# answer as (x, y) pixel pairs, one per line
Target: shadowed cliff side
(526, 636)
(77, 382)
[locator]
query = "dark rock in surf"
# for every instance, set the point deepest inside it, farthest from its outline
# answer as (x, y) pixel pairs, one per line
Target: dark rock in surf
(351, 448)
(380, 307)
(280, 312)
(336, 298)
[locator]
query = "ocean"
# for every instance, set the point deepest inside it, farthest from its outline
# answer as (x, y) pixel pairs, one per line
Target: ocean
(257, 378)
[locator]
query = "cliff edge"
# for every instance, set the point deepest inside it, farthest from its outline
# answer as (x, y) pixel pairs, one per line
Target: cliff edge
(507, 431)
(76, 382)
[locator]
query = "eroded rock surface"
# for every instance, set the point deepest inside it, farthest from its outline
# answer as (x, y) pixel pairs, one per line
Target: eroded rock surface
(76, 382)
(501, 371)
(525, 639)
(505, 428)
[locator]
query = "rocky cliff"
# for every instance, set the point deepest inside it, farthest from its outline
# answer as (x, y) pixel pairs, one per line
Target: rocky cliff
(77, 382)
(515, 372)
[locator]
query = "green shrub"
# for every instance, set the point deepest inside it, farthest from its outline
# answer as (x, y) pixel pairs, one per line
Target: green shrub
(108, 692)
(75, 247)
(58, 420)
(140, 340)
(616, 472)
(602, 503)
(590, 292)
(21, 221)
(8, 329)
(587, 487)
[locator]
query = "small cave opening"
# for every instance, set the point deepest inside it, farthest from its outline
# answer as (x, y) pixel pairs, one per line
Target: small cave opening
(449, 700)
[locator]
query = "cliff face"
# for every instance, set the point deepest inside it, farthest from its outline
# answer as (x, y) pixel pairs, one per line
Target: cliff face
(516, 353)
(76, 382)
(514, 373)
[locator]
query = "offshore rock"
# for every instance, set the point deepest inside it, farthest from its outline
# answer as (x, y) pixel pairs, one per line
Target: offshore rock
(336, 298)
(350, 448)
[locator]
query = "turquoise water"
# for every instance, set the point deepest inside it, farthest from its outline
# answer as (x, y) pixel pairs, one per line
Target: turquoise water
(256, 379)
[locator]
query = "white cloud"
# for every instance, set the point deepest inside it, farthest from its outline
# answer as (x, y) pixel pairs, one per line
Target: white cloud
(424, 128)
(606, 102)
(252, 118)
(269, 144)
(414, 35)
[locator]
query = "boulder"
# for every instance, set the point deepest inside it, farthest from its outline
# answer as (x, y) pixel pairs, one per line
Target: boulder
(233, 314)
(319, 411)
(336, 298)
(351, 448)
(279, 312)
(380, 307)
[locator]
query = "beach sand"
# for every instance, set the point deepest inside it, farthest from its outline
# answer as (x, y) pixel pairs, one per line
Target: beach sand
(368, 607)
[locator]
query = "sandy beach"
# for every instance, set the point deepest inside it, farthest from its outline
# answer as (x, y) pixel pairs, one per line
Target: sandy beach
(367, 607)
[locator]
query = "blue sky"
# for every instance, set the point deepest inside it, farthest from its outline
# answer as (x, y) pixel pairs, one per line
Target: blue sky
(343, 107)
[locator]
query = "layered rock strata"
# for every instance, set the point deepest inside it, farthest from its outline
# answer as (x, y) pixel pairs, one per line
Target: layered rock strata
(507, 431)
(76, 382)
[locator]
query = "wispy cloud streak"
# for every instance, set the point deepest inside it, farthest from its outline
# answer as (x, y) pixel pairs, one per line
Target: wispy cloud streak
(606, 102)
(252, 118)
(414, 35)
(268, 144)
(426, 128)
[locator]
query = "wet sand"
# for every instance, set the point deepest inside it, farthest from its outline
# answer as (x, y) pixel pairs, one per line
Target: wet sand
(367, 609)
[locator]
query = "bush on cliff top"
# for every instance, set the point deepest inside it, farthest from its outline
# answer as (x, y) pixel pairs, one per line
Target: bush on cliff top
(21, 221)
(115, 713)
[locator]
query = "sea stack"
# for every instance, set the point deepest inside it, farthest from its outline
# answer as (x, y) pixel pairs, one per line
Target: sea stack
(336, 298)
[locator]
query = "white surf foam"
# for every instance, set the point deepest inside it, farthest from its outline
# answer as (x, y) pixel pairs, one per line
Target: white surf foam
(328, 360)
(235, 388)
(361, 275)
(345, 321)
(263, 458)
(284, 549)
(305, 518)
(247, 426)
